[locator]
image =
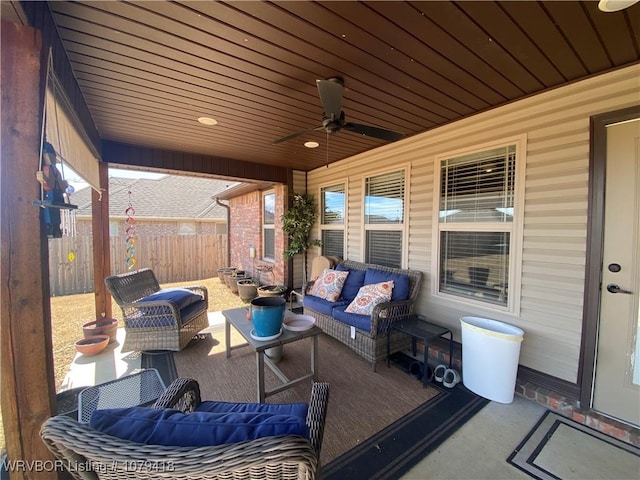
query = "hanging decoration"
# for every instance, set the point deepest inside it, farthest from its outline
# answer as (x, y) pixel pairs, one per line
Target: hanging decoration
(130, 231)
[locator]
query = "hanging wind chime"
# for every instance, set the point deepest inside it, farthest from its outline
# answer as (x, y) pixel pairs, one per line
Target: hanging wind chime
(130, 231)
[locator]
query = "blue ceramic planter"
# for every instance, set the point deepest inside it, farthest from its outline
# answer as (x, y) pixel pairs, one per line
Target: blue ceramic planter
(267, 314)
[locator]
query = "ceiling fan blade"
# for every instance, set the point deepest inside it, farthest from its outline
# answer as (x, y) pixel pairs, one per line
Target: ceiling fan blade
(331, 91)
(297, 134)
(375, 132)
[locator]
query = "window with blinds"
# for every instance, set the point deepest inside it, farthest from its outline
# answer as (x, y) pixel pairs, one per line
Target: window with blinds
(384, 218)
(476, 218)
(333, 243)
(332, 219)
(268, 222)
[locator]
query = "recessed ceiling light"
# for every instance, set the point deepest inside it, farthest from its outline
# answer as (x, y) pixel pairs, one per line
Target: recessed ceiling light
(615, 5)
(207, 121)
(311, 144)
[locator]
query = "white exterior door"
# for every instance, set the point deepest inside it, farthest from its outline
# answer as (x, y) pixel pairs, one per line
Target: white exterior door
(617, 375)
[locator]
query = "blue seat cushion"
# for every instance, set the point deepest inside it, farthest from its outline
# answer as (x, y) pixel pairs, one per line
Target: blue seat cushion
(321, 305)
(400, 282)
(146, 320)
(182, 297)
(361, 322)
(198, 429)
(352, 284)
(294, 409)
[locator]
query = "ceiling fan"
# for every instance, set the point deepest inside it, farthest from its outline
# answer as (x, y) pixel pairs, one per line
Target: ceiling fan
(331, 91)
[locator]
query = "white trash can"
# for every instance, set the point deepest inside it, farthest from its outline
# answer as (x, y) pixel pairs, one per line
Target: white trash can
(490, 355)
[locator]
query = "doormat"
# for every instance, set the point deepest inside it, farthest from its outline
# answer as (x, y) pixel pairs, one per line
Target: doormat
(393, 451)
(557, 448)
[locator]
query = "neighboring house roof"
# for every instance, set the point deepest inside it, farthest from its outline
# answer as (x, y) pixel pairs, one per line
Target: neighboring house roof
(169, 197)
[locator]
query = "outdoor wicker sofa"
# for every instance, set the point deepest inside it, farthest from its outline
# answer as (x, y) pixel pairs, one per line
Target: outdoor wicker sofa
(366, 335)
(156, 318)
(273, 457)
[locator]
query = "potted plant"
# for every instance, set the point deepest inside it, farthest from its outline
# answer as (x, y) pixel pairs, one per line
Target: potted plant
(297, 223)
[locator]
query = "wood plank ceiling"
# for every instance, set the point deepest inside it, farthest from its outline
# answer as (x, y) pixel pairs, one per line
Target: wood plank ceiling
(148, 69)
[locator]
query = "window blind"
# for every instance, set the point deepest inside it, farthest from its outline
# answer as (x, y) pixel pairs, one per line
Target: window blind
(478, 187)
(65, 132)
(384, 247)
(269, 247)
(333, 243)
(333, 205)
(384, 198)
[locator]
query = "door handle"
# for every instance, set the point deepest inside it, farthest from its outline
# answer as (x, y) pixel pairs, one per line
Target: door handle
(613, 288)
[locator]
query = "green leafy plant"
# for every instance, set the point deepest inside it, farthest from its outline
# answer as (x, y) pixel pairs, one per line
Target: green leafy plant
(297, 223)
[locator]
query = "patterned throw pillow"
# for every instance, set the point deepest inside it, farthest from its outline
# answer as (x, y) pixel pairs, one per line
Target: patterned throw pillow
(329, 285)
(369, 296)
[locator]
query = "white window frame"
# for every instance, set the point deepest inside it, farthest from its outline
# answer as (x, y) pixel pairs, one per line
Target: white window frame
(268, 226)
(334, 226)
(400, 227)
(515, 228)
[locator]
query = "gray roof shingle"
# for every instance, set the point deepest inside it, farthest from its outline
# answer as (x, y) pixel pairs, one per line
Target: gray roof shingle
(171, 196)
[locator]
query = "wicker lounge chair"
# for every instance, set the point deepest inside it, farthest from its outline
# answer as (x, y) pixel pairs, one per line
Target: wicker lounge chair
(277, 457)
(158, 324)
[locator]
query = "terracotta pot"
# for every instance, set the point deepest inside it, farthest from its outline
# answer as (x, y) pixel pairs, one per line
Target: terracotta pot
(271, 290)
(247, 289)
(92, 345)
(102, 326)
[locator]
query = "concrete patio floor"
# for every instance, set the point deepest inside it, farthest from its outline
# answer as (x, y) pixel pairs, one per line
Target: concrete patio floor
(479, 449)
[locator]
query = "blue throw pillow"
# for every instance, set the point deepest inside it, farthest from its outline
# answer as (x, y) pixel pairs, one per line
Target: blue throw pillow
(198, 429)
(182, 297)
(352, 284)
(400, 282)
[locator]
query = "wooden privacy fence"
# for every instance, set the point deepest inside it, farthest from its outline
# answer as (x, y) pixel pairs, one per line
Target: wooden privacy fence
(173, 258)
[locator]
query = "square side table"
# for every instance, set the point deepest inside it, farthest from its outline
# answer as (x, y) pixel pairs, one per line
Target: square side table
(418, 327)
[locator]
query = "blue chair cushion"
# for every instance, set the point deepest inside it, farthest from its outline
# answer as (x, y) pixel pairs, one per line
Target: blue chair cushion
(182, 297)
(198, 429)
(187, 314)
(361, 322)
(321, 305)
(352, 284)
(400, 282)
(293, 409)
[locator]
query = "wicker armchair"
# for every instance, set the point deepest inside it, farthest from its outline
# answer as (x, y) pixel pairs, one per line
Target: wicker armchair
(155, 325)
(77, 446)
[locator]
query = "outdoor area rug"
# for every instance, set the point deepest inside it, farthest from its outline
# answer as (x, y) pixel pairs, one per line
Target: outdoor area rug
(386, 407)
(557, 448)
(394, 450)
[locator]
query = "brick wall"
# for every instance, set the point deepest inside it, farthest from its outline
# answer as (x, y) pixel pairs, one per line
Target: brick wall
(245, 231)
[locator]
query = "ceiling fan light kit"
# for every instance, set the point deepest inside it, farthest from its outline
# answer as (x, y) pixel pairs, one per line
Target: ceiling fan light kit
(615, 5)
(333, 119)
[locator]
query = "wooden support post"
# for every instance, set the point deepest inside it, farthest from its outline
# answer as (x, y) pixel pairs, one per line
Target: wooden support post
(101, 244)
(28, 385)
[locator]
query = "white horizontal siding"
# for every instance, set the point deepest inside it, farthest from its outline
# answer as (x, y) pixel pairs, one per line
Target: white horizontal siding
(556, 124)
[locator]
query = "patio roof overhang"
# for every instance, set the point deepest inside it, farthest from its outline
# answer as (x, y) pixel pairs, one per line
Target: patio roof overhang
(139, 74)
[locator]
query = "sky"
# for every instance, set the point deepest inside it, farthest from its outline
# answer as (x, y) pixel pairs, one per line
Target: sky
(78, 182)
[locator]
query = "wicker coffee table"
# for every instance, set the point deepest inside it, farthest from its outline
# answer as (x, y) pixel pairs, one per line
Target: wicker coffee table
(238, 318)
